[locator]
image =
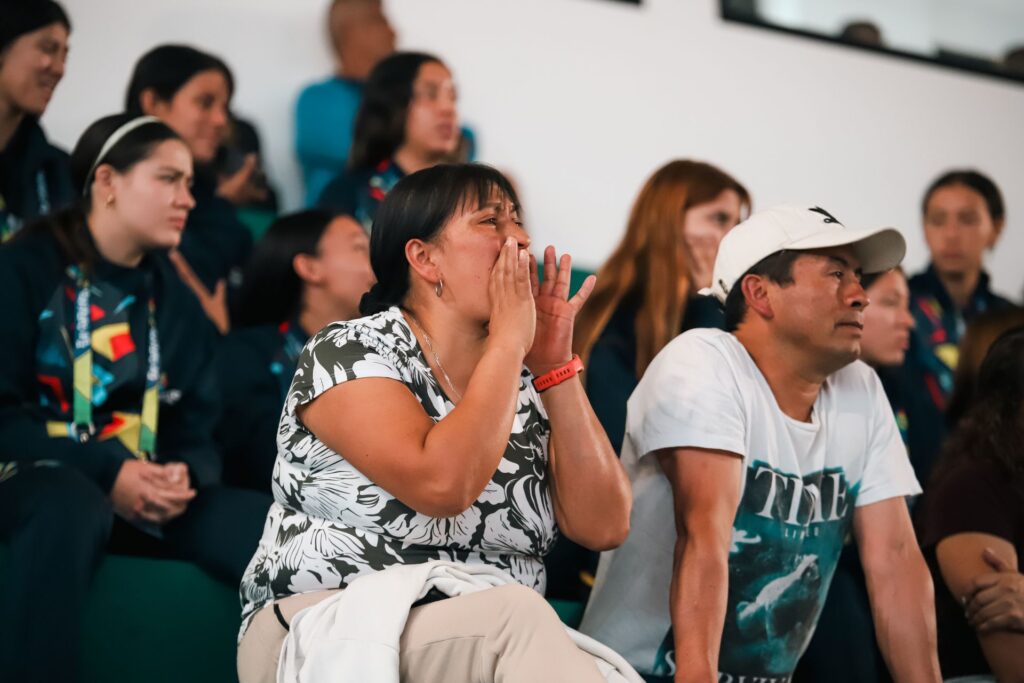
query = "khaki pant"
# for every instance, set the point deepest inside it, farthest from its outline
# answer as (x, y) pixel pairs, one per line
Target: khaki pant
(499, 635)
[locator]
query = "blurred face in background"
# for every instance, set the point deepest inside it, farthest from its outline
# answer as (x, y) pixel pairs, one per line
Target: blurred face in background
(887, 321)
(360, 34)
(198, 112)
(340, 268)
(704, 226)
(432, 121)
(958, 229)
(31, 67)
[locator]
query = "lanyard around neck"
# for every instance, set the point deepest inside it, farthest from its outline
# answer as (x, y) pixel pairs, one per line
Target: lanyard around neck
(83, 376)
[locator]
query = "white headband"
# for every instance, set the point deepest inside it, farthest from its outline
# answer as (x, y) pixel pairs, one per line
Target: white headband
(115, 138)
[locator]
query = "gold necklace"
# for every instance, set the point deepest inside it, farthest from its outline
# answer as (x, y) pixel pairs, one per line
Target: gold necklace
(437, 358)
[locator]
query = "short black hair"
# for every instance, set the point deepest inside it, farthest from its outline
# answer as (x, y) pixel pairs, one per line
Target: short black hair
(777, 267)
(419, 207)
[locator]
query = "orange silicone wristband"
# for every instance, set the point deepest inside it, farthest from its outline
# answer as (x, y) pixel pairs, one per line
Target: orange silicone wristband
(559, 375)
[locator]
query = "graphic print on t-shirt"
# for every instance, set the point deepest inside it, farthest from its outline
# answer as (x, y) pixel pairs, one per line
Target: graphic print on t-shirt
(786, 541)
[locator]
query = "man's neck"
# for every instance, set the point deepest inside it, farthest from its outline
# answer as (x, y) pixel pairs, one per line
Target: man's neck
(960, 286)
(794, 385)
(10, 118)
(410, 161)
(353, 67)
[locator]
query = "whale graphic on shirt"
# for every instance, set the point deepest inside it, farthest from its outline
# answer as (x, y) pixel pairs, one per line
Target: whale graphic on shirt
(789, 588)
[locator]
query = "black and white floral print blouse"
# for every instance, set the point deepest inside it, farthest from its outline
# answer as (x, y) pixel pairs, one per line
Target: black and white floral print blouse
(330, 524)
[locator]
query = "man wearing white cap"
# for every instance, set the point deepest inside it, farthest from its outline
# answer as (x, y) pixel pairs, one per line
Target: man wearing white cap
(770, 443)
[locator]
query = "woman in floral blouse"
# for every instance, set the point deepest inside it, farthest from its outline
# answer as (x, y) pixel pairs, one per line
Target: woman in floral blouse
(418, 433)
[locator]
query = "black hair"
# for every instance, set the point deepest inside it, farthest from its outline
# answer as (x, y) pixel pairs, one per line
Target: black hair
(973, 180)
(271, 291)
(165, 69)
(25, 16)
(69, 225)
(380, 123)
(777, 267)
(419, 207)
(993, 426)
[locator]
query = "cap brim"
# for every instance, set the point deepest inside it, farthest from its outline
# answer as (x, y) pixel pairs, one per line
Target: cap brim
(878, 250)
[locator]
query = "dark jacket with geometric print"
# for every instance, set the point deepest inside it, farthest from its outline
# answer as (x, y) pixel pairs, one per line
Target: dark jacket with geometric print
(37, 326)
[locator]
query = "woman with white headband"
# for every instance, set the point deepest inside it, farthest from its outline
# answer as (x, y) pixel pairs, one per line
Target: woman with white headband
(106, 403)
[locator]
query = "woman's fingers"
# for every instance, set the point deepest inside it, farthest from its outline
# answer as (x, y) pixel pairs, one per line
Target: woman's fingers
(561, 289)
(550, 271)
(583, 293)
(534, 277)
(522, 281)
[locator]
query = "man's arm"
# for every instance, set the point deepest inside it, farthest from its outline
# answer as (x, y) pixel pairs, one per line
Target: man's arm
(705, 492)
(900, 588)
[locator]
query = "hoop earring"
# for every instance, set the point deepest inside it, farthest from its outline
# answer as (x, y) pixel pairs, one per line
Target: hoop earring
(439, 288)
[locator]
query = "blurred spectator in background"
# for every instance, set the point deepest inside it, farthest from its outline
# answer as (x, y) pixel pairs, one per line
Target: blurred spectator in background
(242, 147)
(862, 33)
(408, 121)
(35, 177)
(646, 294)
(310, 268)
(325, 114)
(190, 91)
(1014, 61)
(971, 524)
(963, 217)
(977, 340)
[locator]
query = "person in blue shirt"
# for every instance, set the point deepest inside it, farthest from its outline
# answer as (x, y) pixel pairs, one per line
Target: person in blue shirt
(310, 268)
(408, 121)
(325, 113)
(35, 176)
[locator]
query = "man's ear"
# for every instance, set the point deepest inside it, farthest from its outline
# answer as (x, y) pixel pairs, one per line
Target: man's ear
(307, 267)
(420, 256)
(756, 291)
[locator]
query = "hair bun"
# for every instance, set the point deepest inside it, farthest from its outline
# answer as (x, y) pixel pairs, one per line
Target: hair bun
(374, 301)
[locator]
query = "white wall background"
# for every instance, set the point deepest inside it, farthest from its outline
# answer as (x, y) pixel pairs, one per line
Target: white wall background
(581, 100)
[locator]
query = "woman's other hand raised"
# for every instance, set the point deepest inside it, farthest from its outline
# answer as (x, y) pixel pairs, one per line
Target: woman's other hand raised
(556, 312)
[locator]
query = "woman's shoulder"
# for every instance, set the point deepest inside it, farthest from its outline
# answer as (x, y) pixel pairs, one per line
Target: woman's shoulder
(384, 334)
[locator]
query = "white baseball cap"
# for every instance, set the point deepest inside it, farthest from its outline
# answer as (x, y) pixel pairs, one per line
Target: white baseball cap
(798, 228)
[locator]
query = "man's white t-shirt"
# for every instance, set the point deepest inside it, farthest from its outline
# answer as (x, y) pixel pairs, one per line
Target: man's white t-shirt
(801, 484)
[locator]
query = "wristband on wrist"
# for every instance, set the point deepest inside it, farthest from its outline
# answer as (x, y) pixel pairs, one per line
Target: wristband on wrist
(559, 375)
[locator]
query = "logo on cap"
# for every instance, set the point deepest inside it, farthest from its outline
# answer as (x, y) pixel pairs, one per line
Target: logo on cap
(829, 218)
